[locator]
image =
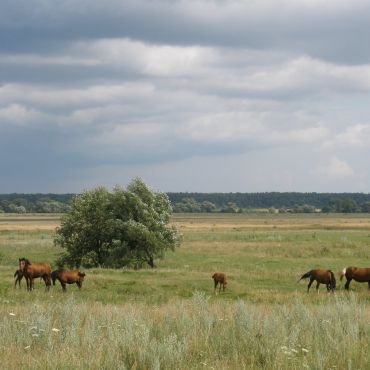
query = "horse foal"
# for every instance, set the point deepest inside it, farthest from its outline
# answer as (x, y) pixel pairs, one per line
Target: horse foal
(220, 278)
(321, 276)
(18, 277)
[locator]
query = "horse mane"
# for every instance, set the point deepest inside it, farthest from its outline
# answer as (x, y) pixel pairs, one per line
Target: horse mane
(26, 260)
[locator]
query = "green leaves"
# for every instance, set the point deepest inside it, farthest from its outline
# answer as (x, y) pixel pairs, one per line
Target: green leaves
(122, 228)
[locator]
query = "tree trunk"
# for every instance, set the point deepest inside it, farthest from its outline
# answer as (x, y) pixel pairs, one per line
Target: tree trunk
(151, 262)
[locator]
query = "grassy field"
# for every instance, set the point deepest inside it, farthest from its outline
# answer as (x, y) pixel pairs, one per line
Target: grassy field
(169, 318)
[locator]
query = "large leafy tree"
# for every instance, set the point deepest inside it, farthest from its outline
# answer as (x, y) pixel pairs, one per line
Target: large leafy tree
(120, 228)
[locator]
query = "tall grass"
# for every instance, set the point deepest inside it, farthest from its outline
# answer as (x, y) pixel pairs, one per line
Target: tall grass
(187, 334)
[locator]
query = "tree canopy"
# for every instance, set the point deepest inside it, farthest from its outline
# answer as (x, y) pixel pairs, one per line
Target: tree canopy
(125, 227)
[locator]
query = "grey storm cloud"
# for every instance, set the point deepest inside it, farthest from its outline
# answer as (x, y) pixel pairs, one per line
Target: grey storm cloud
(334, 30)
(254, 96)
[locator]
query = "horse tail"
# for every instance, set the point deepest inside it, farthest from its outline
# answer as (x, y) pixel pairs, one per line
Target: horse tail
(54, 276)
(333, 282)
(305, 276)
(342, 273)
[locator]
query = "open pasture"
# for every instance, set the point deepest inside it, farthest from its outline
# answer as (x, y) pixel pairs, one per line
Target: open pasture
(169, 318)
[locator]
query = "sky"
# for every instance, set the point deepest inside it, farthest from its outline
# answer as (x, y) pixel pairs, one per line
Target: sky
(189, 95)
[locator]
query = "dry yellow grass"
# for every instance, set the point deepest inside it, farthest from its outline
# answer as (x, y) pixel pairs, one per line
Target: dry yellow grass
(28, 227)
(279, 223)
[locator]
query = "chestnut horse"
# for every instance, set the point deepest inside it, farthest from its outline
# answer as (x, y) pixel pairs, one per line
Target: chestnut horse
(220, 278)
(321, 276)
(68, 277)
(34, 270)
(18, 277)
(360, 274)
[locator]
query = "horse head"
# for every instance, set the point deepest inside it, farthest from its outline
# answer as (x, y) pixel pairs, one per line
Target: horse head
(23, 263)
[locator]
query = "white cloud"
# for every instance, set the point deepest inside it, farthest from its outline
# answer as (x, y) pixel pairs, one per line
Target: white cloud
(336, 168)
(19, 115)
(356, 136)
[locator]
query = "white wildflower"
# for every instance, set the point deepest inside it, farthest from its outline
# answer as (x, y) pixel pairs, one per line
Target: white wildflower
(55, 330)
(27, 347)
(11, 314)
(305, 350)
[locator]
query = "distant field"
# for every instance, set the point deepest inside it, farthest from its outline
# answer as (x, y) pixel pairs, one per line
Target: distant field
(263, 308)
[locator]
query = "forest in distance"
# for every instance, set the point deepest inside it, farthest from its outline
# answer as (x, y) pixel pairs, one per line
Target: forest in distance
(184, 202)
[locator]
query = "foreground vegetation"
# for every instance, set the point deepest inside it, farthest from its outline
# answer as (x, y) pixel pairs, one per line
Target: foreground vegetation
(169, 318)
(186, 334)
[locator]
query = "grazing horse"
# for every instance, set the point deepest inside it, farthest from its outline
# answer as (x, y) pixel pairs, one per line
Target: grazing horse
(321, 276)
(68, 277)
(18, 277)
(360, 274)
(34, 270)
(220, 278)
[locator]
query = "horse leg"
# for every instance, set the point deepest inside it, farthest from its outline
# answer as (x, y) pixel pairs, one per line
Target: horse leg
(346, 286)
(216, 286)
(31, 284)
(46, 279)
(317, 287)
(79, 284)
(63, 286)
(17, 281)
(28, 284)
(368, 283)
(309, 285)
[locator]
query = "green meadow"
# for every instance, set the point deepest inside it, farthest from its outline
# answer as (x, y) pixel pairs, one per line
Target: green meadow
(170, 318)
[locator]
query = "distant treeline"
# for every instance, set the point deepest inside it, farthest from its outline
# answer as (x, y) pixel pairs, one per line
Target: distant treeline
(35, 203)
(209, 202)
(272, 202)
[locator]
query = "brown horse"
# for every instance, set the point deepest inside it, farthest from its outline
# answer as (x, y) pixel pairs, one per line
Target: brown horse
(18, 277)
(35, 270)
(360, 274)
(321, 276)
(220, 278)
(68, 277)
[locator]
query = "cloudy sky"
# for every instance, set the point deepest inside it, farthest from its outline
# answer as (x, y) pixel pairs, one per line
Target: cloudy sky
(190, 95)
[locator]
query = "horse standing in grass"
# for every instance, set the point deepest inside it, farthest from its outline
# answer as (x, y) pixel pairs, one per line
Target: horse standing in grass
(68, 277)
(18, 277)
(34, 270)
(220, 278)
(321, 276)
(359, 274)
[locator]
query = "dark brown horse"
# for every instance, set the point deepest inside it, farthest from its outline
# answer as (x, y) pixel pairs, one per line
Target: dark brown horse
(18, 277)
(34, 270)
(360, 274)
(220, 278)
(321, 276)
(68, 277)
